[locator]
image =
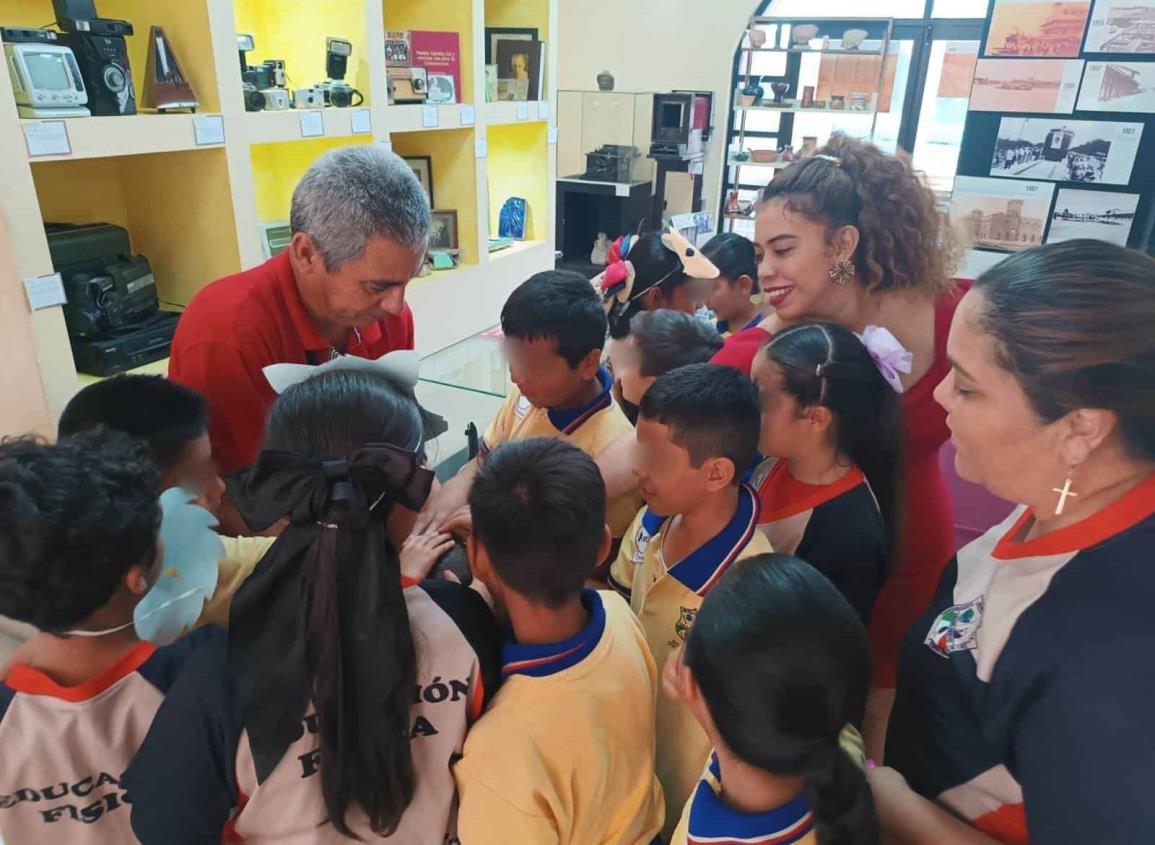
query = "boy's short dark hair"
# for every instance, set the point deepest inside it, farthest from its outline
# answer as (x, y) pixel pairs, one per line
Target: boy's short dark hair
(712, 412)
(558, 304)
(539, 509)
(165, 415)
(668, 339)
(74, 517)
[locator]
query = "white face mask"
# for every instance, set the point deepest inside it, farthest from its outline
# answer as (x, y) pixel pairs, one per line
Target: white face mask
(188, 577)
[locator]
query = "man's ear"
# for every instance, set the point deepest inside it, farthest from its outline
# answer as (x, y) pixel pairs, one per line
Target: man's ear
(589, 365)
(720, 474)
(305, 255)
(136, 580)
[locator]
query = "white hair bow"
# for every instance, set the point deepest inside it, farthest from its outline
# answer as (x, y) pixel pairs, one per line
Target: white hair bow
(890, 356)
(401, 367)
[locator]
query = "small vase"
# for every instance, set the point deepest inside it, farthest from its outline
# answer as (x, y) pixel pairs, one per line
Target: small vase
(605, 81)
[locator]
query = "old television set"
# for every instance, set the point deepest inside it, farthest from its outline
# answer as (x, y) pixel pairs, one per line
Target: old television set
(678, 126)
(46, 80)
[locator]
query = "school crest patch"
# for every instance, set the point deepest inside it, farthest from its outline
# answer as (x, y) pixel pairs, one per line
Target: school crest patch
(956, 628)
(641, 541)
(685, 622)
(522, 408)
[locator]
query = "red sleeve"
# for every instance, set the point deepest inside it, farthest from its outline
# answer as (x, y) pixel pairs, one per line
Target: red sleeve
(408, 331)
(740, 349)
(238, 395)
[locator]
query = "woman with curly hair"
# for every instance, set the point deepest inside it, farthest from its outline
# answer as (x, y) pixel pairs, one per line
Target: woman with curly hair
(853, 236)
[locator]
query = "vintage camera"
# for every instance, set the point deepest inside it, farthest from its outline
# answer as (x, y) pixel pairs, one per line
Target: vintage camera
(309, 98)
(109, 289)
(276, 99)
(254, 99)
(337, 53)
(342, 96)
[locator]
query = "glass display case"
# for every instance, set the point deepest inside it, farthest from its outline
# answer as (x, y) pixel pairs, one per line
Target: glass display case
(604, 136)
(475, 364)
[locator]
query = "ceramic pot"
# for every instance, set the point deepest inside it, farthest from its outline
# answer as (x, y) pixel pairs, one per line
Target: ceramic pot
(605, 81)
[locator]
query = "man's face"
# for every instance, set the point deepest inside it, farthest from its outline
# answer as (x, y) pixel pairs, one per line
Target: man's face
(361, 292)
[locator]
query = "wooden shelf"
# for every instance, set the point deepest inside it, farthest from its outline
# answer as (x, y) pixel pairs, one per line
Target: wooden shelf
(106, 137)
(271, 127)
(771, 165)
(506, 112)
(156, 368)
(796, 109)
(412, 118)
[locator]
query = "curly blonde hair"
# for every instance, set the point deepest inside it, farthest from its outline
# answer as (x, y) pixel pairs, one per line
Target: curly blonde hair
(905, 242)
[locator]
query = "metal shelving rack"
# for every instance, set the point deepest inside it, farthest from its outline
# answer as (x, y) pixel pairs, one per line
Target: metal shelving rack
(783, 28)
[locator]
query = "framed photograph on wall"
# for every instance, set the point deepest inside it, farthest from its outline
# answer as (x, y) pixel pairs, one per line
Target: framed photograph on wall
(1026, 85)
(493, 34)
(1122, 26)
(423, 169)
(1102, 215)
(1037, 28)
(443, 232)
(1118, 86)
(1059, 150)
(1002, 215)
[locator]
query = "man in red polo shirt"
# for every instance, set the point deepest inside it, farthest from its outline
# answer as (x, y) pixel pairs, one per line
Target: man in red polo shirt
(360, 223)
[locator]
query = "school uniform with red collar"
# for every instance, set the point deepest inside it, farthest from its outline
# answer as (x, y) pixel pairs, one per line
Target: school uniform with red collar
(65, 748)
(565, 753)
(591, 428)
(666, 599)
(195, 777)
(1024, 691)
(836, 528)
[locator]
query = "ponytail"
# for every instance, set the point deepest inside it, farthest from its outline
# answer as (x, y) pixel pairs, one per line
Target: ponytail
(640, 264)
(840, 797)
(783, 665)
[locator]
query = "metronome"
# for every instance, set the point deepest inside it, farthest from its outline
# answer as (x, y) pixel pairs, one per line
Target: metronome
(165, 85)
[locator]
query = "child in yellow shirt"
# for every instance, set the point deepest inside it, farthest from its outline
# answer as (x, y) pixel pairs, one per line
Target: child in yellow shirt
(776, 671)
(697, 432)
(565, 753)
(554, 328)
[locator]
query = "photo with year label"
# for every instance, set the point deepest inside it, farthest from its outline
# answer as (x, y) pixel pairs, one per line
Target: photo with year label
(1118, 86)
(1089, 151)
(1122, 26)
(1032, 85)
(996, 214)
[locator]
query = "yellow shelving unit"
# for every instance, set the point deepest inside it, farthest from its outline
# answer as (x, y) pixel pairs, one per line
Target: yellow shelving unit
(195, 209)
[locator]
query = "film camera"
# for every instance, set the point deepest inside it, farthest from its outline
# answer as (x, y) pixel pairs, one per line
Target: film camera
(113, 312)
(101, 53)
(263, 85)
(339, 93)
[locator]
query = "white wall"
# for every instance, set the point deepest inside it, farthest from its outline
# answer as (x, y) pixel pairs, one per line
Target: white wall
(657, 45)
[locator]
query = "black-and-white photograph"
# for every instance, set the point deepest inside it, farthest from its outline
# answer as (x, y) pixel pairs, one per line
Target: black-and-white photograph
(1121, 26)
(1102, 215)
(1094, 152)
(423, 170)
(1118, 86)
(443, 232)
(442, 91)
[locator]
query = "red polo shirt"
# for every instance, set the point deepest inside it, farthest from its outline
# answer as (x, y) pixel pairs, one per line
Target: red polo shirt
(240, 324)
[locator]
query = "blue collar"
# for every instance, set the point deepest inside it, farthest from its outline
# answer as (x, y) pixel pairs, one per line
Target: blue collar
(723, 326)
(539, 661)
(712, 821)
(567, 422)
(701, 568)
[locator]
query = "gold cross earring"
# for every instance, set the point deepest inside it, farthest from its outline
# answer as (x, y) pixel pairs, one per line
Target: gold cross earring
(1064, 492)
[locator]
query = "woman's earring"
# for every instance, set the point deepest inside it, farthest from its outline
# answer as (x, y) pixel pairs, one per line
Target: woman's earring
(842, 271)
(1065, 493)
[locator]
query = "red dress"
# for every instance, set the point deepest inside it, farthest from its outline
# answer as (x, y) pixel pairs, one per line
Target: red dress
(927, 539)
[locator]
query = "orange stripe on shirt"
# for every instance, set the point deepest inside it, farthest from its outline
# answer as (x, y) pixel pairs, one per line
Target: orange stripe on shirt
(1007, 824)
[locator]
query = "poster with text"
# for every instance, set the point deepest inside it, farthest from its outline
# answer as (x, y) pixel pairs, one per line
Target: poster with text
(1118, 86)
(1102, 215)
(1122, 26)
(1031, 85)
(997, 214)
(1038, 30)
(1059, 150)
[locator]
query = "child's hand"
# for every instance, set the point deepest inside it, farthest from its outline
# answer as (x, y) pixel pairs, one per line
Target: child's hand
(420, 553)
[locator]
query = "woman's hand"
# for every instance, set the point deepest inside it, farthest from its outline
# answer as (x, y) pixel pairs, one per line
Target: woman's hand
(420, 553)
(906, 818)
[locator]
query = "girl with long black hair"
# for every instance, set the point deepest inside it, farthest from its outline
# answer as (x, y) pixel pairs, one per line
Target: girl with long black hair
(830, 421)
(343, 694)
(776, 669)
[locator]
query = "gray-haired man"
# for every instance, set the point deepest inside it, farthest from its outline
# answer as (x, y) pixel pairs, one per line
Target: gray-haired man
(360, 222)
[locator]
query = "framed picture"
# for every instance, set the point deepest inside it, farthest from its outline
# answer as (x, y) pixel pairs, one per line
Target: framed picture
(493, 34)
(423, 170)
(1001, 214)
(1037, 28)
(1060, 150)
(442, 89)
(443, 232)
(1102, 215)
(519, 66)
(1122, 26)
(1118, 86)
(1026, 85)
